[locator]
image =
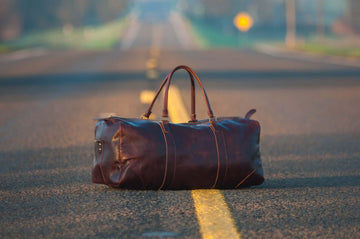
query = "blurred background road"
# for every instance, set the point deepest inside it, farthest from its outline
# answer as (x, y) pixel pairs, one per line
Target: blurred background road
(61, 69)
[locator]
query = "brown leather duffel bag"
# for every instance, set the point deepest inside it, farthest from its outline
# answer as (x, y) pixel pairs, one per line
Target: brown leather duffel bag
(146, 154)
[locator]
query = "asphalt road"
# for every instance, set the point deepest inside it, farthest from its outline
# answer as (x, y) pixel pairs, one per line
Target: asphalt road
(309, 113)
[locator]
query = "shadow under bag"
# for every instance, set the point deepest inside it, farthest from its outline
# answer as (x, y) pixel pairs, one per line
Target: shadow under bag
(145, 154)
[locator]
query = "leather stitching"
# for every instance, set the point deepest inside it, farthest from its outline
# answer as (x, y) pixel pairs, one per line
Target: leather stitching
(101, 160)
(166, 160)
(218, 155)
(171, 162)
(252, 172)
(226, 156)
(120, 141)
(173, 176)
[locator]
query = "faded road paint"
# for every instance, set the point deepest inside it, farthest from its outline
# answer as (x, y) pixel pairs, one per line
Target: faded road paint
(147, 96)
(214, 216)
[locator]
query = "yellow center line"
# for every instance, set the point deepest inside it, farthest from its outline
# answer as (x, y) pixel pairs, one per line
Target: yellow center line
(147, 96)
(176, 108)
(213, 214)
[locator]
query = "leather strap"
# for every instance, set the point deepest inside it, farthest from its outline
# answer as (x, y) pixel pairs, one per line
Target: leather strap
(221, 155)
(193, 115)
(250, 113)
(190, 71)
(244, 179)
(167, 81)
(170, 163)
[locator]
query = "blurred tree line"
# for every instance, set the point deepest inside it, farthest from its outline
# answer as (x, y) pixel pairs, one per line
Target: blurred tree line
(19, 16)
(270, 15)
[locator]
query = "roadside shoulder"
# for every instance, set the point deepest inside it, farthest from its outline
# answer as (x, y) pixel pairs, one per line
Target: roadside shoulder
(278, 51)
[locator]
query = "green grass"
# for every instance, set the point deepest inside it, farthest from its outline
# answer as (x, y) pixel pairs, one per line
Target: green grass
(4, 48)
(102, 37)
(329, 49)
(207, 37)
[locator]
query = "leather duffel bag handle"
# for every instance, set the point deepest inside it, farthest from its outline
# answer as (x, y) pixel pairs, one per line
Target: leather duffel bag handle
(167, 80)
(193, 115)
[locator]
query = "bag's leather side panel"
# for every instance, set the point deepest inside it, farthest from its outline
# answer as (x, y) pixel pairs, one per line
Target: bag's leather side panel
(242, 140)
(136, 156)
(140, 154)
(196, 157)
(97, 175)
(105, 131)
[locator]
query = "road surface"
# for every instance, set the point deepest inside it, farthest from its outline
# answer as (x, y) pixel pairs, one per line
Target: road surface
(309, 113)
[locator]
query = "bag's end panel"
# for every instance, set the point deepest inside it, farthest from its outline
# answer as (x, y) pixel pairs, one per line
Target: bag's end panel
(96, 174)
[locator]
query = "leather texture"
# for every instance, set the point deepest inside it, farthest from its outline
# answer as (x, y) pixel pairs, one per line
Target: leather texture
(218, 153)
